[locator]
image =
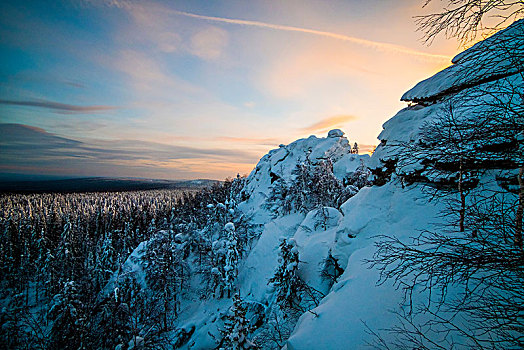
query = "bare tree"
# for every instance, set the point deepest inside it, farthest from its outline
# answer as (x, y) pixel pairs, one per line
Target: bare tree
(464, 19)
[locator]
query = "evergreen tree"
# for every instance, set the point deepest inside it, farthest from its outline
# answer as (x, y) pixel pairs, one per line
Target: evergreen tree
(236, 328)
(166, 275)
(232, 259)
(279, 200)
(68, 318)
(360, 177)
(286, 281)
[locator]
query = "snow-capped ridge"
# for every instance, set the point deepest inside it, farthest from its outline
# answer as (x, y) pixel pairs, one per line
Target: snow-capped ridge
(280, 162)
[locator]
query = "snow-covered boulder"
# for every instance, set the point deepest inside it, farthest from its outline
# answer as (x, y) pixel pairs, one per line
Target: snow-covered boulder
(335, 133)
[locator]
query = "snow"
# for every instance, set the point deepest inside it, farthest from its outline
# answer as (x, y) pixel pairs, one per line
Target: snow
(282, 161)
(263, 259)
(314, 238)
(335, 133)
(484, 60)
(356, 297)
(229, 227)
(348, 163)
(407, 124)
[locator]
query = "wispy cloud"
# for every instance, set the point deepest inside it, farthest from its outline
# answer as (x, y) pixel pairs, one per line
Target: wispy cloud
(56, 106)
(330, 122)
(368, 43)
(24, 146)
(209, 43)
(377, 45)
(249, 140)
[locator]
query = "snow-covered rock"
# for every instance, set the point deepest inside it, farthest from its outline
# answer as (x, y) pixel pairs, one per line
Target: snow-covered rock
(356, 304)
(280, 162)
(485, 61)
(335, 133)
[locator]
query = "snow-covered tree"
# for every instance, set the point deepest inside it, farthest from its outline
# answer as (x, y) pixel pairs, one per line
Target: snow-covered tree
(360, 177)
(236, 328)
(315, 186)
(167, 274)
(279, 201)
(69, 319)
(286, 282)
(231, 259)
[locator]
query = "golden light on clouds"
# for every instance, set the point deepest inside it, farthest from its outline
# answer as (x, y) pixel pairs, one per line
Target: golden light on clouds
(249, 140)
(326, 124)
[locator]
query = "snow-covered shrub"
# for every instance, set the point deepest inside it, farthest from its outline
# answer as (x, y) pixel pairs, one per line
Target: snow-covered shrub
(311, 186)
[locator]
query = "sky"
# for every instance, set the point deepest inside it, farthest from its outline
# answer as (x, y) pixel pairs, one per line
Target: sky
(198, 89)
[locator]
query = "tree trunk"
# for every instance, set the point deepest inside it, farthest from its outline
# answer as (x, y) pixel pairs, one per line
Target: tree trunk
(462, 210)
(520, 209)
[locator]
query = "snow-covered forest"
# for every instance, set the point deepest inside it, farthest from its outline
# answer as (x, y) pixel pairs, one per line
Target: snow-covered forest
(117, 270)
(417, 246)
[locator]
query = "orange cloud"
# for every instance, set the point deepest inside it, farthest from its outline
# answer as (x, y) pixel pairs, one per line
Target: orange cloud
(328, 123)
(249, 140)
(366, 148)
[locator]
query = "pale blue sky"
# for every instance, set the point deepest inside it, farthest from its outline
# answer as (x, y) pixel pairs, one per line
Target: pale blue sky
(192, 89)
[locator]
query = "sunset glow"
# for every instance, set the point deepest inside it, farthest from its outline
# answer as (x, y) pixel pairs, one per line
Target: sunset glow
(181, 90)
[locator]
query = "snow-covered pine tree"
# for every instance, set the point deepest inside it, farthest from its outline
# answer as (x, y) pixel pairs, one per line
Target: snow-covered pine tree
(105, 260)
(167, 273)
(67, 314)
(232, 259)
(286, 282)
(278, 201)
(325, 189)
(300, 186)
(236, 328)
